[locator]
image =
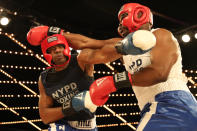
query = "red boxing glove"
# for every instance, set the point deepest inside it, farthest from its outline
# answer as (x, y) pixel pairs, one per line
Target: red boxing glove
(102, 87)
(100, 90)
(37, 34)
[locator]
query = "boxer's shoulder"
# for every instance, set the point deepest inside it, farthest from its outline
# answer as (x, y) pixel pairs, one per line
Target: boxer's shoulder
(161, 32)
(163, 36)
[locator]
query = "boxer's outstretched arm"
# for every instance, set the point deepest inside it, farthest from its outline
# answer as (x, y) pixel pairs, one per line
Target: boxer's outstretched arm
(105, 54)
(78, 41)
(138, 42)
(135, 43)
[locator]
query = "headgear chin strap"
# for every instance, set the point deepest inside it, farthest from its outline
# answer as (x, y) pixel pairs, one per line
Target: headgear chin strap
(132, 21)
(52, 41)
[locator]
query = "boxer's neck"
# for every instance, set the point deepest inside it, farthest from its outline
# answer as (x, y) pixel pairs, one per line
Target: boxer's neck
(60, 68)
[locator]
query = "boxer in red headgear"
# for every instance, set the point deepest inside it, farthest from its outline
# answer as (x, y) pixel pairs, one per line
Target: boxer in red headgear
(129, 17)
(52, 41)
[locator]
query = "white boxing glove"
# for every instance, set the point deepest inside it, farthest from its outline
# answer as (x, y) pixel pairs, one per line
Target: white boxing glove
(136, 43)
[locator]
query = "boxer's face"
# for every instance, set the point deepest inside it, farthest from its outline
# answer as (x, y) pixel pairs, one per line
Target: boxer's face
(122, 30)
(146, 26)
(57, 54)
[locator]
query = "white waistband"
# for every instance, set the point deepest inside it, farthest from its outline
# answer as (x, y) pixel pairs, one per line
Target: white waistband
(83, 124)
(147, 94)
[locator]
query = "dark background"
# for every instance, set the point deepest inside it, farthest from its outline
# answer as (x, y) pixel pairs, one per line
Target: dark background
(93, 18)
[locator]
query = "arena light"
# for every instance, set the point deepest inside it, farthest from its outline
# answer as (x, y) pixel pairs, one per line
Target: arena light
(195, 35)
(186, 38)
(4, 21)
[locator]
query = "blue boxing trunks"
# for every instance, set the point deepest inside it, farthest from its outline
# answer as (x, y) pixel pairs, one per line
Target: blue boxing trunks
(171, 111)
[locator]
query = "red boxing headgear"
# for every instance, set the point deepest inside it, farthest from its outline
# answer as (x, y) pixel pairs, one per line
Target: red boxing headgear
(131, 21)
(52, 41)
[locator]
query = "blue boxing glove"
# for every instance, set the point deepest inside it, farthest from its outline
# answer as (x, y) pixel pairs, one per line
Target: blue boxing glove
(80, 102)
(136, 43)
